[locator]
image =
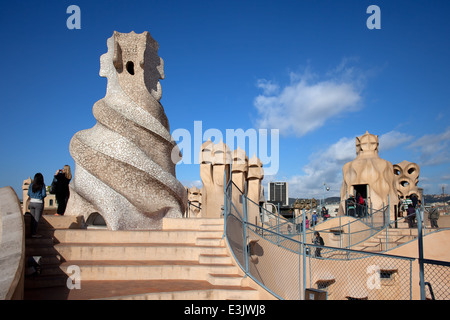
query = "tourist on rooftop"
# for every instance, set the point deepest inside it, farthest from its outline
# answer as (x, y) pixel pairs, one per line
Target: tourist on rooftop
(37, 193)
(318, 241)
(433, 215)
(411, 215)
(324, 212)
(360, 205)
(62, 193)
(350, 205)
(314, 218)
(414, 200)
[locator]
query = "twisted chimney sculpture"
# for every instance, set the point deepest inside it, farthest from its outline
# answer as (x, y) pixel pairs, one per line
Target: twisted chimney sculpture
(125, 164)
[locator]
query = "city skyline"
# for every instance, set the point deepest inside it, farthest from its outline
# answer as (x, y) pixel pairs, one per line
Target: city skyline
(313, 72)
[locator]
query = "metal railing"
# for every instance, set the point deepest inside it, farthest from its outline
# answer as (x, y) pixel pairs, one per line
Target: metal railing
(286, 264)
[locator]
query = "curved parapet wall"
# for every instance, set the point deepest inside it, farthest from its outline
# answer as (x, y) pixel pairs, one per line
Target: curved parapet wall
(12, 245)
(125, 164)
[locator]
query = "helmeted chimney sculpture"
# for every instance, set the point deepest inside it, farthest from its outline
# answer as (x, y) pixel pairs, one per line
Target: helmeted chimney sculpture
(371, 172)
(125, 164)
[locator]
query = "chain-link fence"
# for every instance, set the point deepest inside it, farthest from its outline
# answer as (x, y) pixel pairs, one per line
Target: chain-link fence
(437, 279)
(289, 265)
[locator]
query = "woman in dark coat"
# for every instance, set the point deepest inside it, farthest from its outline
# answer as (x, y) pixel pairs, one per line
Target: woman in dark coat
(62, 193)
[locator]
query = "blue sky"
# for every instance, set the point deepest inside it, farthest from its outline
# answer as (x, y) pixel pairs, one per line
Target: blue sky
(310, 69)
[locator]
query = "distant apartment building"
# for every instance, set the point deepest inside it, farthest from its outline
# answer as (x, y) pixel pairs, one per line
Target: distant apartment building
(278, 193)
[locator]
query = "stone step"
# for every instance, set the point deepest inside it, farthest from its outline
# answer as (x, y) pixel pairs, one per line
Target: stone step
(188, 255)
(133, 251)
(214, 259)
(359, 247)
(225, 279)
(31, 242)
(406, 231)
(211, 224)
(209, 241)
(41, 250)
(46, 281)
(145, 290)
(222, 293)
(393, 232)
(389, 238)
(153, 236)
(147, 270)
(371, 243)
(57, 222)
(372, 249)
(402, 225)
(48, 260)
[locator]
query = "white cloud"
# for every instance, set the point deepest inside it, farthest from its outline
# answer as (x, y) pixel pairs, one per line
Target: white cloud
(267, 86)
(433, 148)
(393, 139)
(192, 183)
(324, 167)
(306, 104)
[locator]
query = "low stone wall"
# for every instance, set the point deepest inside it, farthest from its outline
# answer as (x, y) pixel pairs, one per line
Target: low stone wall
(12, 246)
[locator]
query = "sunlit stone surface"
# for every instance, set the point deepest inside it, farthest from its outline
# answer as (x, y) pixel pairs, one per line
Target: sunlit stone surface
(125, 164)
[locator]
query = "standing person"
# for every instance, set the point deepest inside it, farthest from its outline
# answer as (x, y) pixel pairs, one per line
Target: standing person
(362, 206)
(62, 193)
(350, 206)
(323, 213)
(433, 215)
(414, 200)
(326, 215)
(37, 193)
(318, 241)
(411, 215)
(400, 207)
(314, 218)
(358, 204)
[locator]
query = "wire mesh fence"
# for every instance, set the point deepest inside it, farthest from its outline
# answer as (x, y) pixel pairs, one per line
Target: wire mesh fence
(289, 264)
(437, 280)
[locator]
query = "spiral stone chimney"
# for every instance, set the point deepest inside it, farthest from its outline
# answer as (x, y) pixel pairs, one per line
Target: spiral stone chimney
(125, 164)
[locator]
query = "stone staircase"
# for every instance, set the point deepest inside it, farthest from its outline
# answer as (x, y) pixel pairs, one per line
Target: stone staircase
(187, 259)
(394, 237)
